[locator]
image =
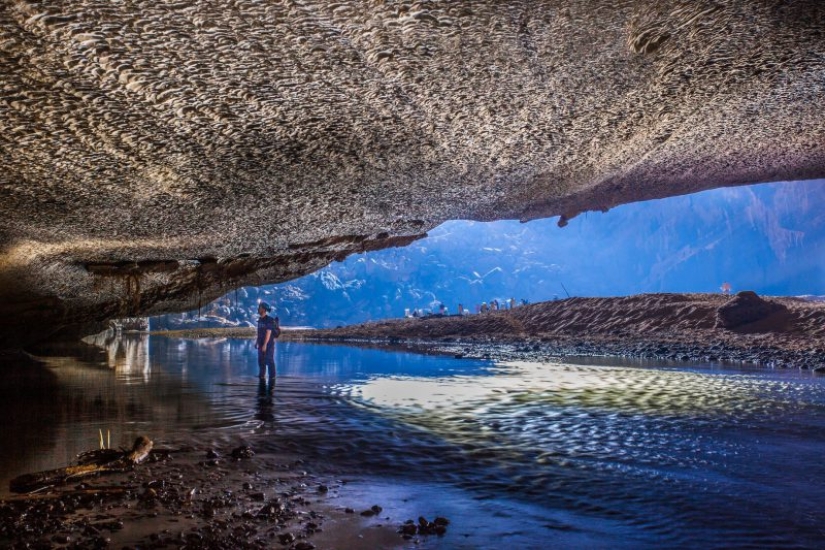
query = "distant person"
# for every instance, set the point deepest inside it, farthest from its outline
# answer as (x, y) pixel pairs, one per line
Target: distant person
(725, 288)
(461, 309)
(268, 331)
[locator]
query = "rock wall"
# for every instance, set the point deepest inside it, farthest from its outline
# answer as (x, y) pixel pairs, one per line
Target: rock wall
(157, 154)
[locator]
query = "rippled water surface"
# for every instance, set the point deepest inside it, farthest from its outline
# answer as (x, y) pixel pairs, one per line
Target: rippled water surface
(546, 455)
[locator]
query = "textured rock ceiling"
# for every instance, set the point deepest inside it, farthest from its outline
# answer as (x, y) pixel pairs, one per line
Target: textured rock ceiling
(157, 153)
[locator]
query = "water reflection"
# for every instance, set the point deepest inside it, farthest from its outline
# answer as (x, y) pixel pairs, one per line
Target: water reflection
(642, 453)
(127, 355)
(134, 385)
(266, 404)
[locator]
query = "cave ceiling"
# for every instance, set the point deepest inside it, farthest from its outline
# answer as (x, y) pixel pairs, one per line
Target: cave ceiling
(155, 154)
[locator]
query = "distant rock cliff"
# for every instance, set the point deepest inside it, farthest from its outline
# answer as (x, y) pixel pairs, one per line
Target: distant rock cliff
(154, 155)
(693, 243)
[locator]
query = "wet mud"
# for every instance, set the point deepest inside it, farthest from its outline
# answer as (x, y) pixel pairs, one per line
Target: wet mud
(186, 498)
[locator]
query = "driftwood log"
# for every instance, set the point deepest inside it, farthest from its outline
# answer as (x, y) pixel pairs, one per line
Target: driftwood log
(93, 463)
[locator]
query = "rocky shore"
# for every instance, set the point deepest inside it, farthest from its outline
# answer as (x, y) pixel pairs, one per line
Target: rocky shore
(199, 499)
(745, 328)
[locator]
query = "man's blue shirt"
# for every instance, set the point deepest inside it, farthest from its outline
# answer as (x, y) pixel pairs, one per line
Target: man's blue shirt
(266, 323)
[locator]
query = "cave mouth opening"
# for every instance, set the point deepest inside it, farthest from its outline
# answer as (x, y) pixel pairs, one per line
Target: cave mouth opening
(763, 237)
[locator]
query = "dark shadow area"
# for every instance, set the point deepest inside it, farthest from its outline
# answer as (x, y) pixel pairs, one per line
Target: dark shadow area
(28, 409)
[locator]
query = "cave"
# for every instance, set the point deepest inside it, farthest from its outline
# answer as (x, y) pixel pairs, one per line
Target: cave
(156, 156)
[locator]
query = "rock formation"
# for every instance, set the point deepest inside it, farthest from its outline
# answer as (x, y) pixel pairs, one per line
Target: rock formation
(747, 309)
(157, 154)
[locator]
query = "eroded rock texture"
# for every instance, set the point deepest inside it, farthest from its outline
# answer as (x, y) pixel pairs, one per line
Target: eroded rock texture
(157, 153)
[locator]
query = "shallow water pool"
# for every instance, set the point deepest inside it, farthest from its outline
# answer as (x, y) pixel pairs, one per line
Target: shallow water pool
(564, 455)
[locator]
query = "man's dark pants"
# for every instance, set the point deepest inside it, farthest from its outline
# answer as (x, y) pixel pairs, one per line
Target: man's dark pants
(266, 359)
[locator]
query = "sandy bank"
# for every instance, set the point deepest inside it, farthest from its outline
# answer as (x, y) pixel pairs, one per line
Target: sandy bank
(787, 332)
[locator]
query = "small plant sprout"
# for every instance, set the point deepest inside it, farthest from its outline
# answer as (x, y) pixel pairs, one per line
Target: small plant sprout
(108, 444)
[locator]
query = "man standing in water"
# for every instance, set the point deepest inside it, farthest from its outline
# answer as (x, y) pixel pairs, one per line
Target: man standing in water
(268, 330)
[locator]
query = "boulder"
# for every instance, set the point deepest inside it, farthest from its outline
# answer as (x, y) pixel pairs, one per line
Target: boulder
(746, 308)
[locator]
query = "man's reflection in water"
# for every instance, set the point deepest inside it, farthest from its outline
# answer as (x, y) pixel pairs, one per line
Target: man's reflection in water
(266, 407)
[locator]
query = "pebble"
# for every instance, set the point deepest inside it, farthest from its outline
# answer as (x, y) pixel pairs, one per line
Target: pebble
(244, 451)
(373, 511)
(286, 538)
(424, 527)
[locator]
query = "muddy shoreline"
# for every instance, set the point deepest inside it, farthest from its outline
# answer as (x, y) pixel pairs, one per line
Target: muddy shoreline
(196, 498)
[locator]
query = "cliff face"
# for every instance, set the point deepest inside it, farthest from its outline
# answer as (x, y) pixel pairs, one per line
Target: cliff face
(769, 238)
(155, 154)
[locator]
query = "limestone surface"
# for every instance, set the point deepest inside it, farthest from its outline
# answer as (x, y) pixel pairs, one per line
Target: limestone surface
(155, 154)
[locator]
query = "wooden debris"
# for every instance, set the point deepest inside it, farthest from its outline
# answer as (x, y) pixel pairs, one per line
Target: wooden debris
(92, 463)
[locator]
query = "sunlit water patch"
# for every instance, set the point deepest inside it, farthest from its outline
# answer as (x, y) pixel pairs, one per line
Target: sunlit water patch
(536, 455)
(654, 448)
